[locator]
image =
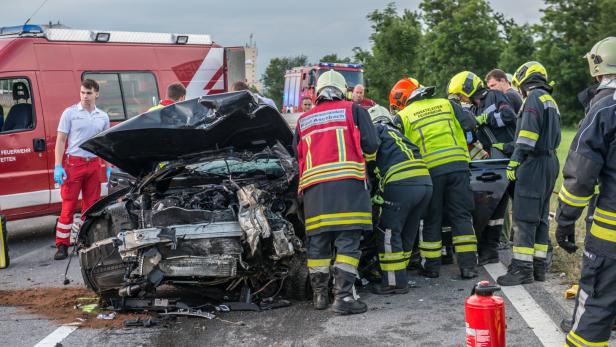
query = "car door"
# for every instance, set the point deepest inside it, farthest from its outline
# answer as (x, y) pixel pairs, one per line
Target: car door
(489, 183)
(24, 171)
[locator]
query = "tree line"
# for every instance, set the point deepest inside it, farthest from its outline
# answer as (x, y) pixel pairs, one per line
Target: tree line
(443, 37)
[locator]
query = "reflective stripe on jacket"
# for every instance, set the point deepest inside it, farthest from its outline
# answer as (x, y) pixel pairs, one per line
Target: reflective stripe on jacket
(432, 125)
(592, 159)
(397, 158)
(329, 148)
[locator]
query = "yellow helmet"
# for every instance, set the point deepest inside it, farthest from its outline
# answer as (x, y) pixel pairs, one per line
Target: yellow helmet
(526, 70)
(602, 57)
(465, 83)
(332, 79)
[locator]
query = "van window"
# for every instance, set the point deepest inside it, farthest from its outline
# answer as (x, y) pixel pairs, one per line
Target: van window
(125, 94)
(16, 110)
(140, 92)
(110, 94)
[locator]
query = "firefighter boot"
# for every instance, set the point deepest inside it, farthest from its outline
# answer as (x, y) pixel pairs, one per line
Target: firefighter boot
(384, 289)
(344, 301)
(539, 269)
(61, 253)
(516, 275)
(320, 296)
(468, 272)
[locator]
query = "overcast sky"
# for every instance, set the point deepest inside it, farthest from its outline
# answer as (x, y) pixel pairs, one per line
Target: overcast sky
(280, 27)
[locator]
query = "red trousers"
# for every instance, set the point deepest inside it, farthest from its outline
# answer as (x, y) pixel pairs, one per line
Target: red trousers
(83, 176)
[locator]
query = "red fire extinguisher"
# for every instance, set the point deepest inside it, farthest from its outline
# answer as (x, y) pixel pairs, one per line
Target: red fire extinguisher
(485, 317)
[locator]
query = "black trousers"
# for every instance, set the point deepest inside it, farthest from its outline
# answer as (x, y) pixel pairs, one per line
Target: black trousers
(490, 237)
(321, 250)
(595, 305)
(398, 227)
(531, 207)
(451, 197)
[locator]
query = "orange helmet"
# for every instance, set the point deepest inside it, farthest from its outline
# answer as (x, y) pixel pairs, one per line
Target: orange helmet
(400, 93)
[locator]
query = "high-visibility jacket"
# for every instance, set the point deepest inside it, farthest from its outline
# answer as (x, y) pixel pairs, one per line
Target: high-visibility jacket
(329, 147)
(592, 158)
(431, 124)
(161, 104)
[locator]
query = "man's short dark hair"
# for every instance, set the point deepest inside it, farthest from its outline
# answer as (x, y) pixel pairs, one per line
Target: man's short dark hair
(240, 85)
(306, 97)
(497, 74)
(175, 91)
(90, 84)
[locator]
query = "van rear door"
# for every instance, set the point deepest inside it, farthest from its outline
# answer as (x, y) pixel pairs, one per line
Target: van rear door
(24, 172)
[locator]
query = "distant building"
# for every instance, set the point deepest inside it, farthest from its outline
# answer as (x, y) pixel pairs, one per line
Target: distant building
(251, 64)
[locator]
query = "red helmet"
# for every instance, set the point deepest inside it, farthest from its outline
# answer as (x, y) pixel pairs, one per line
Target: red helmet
(400, 93)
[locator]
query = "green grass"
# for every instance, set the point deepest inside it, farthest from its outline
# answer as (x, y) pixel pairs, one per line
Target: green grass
(567, 136)
(569, 264)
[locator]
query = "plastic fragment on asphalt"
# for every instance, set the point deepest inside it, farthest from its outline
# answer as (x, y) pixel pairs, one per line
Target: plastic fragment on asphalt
(89, 308)
(107, 316)
(572, 292)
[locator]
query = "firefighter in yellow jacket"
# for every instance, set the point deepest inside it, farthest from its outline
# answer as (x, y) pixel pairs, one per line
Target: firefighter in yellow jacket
(333, 142)
(437, 127)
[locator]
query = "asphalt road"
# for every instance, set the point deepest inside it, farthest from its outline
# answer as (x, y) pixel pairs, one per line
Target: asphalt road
(432, 314)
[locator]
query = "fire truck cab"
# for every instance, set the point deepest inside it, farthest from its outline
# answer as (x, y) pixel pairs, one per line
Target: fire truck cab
(300, 82)
(40, 72)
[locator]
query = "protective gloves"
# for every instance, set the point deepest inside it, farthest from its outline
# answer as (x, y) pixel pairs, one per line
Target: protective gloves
(512, 167)
(499, 146)
(482, 119)
(59, 175)
(108, 171)
(565, 236)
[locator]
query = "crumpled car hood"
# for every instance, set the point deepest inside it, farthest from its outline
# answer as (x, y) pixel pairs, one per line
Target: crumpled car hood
(211, 122)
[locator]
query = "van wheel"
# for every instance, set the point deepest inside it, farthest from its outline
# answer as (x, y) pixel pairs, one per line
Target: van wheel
(297, 284)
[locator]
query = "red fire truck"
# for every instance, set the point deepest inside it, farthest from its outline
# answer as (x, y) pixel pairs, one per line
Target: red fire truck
(301, 81)
(133, 70)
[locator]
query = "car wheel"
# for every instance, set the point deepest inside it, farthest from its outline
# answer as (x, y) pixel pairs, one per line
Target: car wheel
(297, 283)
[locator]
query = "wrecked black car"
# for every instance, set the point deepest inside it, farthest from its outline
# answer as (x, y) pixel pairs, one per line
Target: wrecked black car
(213, 204)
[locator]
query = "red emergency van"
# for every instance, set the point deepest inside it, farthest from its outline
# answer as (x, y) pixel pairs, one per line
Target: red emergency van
(133, 70)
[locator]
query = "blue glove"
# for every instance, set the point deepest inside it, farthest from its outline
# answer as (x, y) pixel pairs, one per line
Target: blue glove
(59, 175)
(108, 171)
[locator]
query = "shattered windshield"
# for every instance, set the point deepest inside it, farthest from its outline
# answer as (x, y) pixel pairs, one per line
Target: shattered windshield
(267, 166)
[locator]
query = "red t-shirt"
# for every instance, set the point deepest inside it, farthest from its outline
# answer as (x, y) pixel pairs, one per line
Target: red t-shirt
(367, 103)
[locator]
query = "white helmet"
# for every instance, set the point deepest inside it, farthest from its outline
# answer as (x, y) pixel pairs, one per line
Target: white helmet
(380, 114)
(332, 79)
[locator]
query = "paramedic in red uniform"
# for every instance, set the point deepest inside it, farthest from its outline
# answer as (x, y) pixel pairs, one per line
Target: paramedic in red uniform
(77, 170)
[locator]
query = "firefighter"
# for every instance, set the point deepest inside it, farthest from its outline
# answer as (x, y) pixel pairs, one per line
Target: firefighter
(592, 158)
(534, 167)
(176, 92)
(77, 170)
(496, 122)
(403, 193)
(437, 127)
(333, 141)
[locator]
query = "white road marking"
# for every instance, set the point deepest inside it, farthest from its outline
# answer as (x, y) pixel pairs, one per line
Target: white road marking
(542, 325)
(56, 336)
